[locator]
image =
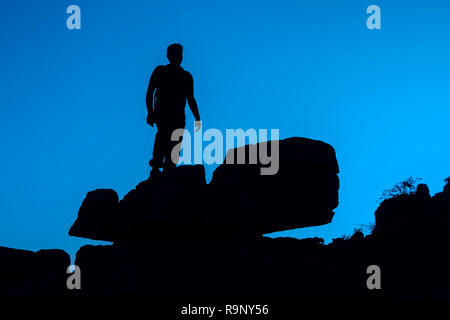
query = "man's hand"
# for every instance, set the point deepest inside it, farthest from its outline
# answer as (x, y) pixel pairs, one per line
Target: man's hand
(197, 125)
(150, 119)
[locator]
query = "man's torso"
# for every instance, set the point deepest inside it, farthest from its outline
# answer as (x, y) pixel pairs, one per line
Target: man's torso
(172, 86)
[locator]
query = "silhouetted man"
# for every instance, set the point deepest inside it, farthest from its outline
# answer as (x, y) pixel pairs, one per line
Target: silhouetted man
(169, 88)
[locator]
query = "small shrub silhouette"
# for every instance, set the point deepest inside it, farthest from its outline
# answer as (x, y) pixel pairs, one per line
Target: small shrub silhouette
(404, 188)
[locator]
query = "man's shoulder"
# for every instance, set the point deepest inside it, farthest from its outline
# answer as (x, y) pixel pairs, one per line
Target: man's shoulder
(188, 75)
(159, 68)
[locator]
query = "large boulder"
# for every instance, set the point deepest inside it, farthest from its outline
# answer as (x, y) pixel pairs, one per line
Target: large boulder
(405, 216)
(28, 274)
(168, 205)
(303, 191)
(97, 215)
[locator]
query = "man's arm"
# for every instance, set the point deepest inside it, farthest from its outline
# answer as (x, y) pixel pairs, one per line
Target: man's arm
(149, 98)
(193, 103)
(194, 108)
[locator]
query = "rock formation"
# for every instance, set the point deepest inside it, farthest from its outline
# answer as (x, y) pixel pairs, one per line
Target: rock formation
(28, 274)
(303, 192)
(239, 201)
(175, 238)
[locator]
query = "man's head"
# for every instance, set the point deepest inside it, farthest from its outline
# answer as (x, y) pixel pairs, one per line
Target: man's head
(175, 53)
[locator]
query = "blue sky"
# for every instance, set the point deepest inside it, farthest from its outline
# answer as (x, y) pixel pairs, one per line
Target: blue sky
(73, 101)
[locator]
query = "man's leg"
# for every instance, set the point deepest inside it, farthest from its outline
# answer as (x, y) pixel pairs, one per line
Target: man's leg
(173, 148)
(158, 148)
